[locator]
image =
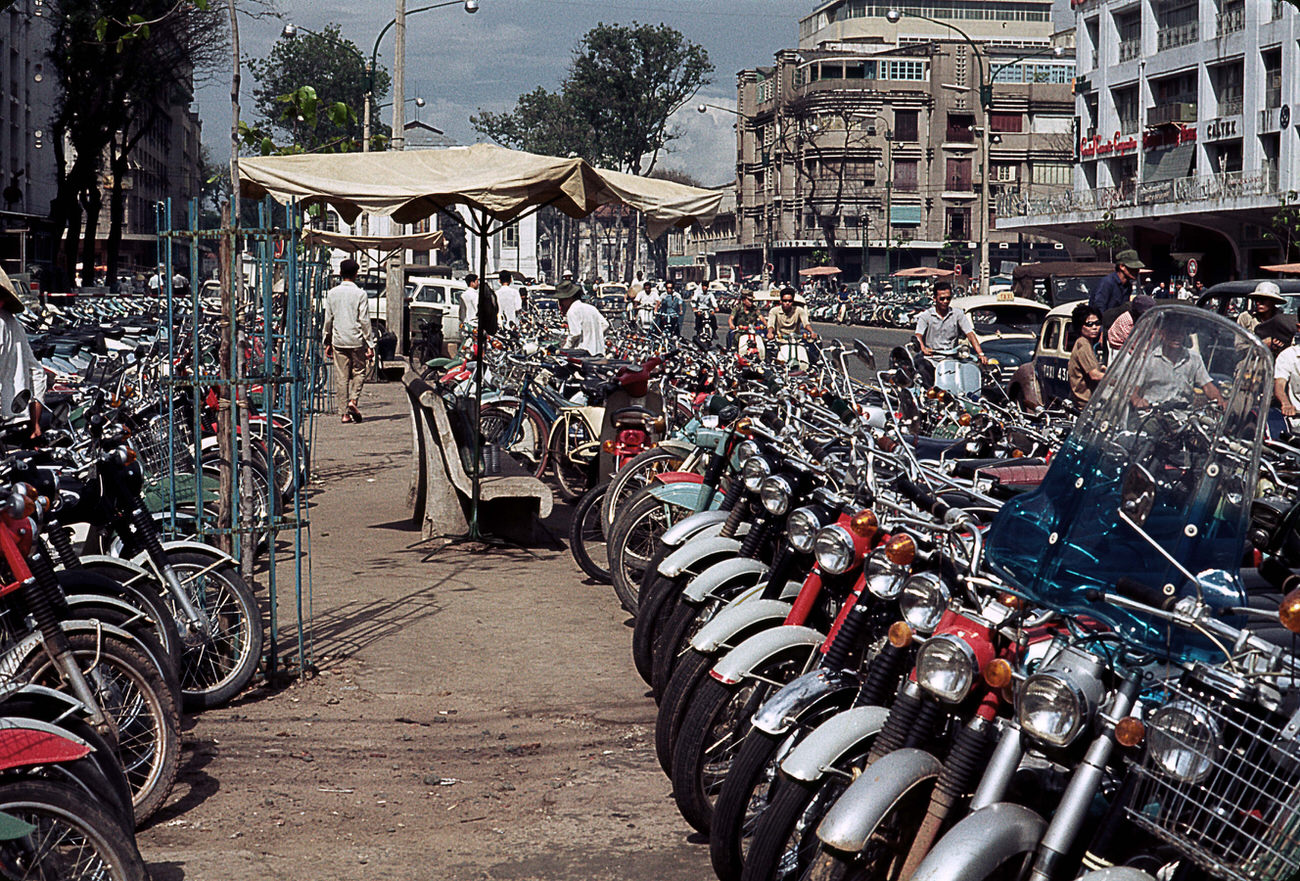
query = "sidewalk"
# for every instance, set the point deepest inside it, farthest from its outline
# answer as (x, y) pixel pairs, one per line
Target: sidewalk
(476, 714)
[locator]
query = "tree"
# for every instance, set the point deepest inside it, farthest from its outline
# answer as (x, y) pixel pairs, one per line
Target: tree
(1107, 236)
(302, 86)
(120, 65)
(1285, 227)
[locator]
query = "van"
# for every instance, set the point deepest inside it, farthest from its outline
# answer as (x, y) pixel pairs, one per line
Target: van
(436, 300)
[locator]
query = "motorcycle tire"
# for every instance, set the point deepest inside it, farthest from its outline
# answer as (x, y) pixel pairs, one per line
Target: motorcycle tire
(684, 622)
(655, 604)
(133, 693)
(785, 843)
(638, 471)
(715, 725)
(75, 838)
(215, 669)
(587, 538)
(693, 669)
(83, 606)
(125, 583)
(634, 540)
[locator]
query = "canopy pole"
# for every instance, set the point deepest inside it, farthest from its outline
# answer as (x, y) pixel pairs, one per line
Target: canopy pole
(480, 338)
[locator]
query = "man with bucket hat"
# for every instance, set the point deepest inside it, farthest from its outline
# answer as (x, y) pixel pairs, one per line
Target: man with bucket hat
(1116, 288)
(585, 323)
(19, 369)
(1265, 303)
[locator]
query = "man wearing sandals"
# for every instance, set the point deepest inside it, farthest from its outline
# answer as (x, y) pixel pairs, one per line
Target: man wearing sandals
(349, 338)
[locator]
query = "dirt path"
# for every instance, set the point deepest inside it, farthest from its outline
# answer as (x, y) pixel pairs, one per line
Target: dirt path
(476, 715)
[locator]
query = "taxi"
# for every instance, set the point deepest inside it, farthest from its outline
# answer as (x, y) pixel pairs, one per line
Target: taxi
(1006, 326)
(1044, 378)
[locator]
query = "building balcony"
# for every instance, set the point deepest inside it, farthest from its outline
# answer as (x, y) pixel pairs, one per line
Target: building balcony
(1179, 35)
(1173, 111)
(1230, 21)
(1278, 6)
(1270, 119)
(1129, 50)
(1190, 194)
(1230, 107)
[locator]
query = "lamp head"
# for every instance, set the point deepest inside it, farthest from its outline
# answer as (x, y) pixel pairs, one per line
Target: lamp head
(893, 16)
(702, 108)
(290, 31)
(420, 102)
(471, 6)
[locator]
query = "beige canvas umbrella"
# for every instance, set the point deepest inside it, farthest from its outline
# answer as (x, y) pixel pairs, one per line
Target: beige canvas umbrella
(923, 272)
(497, 184)
(818, 271)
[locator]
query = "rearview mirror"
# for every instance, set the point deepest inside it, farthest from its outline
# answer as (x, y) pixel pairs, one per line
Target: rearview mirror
(1138, 494)
(864, 352)
(22, 401)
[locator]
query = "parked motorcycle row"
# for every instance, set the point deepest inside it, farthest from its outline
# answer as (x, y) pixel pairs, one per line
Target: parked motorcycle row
(1027, 647)
(112, 630)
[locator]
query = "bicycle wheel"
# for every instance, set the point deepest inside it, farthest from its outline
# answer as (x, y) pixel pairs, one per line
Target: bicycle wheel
(526, 443)
(634, 475)
(586, 539)
(573, 477)
(634, 540)
(72, 837)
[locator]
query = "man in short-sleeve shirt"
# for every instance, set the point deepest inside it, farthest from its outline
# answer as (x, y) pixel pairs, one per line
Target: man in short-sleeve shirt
(1175, 373)
(941, 327)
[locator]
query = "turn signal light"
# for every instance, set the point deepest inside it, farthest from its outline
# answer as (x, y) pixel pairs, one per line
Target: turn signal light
(1129, 731)
(1017, 454)
(659, 425)
(864, 524)
(1289, 612)
(887, 443)
(997, 673)
(964, 419)
(608, 446)
(932, 393)
(900, 550)
(1011, 601)
(900, 635)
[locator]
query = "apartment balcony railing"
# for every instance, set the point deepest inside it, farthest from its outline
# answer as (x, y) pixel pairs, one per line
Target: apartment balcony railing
(1128, 125)
(1230, 21)
(1183, 190)
(1129, 50)
(1230, 107)
(1178, 35)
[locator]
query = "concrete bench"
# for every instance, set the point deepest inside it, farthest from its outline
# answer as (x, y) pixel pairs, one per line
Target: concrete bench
(511, 504)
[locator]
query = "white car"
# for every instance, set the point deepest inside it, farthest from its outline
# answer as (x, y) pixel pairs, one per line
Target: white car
(432, 296)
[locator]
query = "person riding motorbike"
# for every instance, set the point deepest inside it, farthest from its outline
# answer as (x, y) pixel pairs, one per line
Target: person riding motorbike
(941, 327)
(1175, 373)
(745, 314)
(705, 304)
(787, 321)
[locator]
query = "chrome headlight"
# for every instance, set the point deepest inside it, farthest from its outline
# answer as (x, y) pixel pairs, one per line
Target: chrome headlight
(1051, 708)
(884, 578)
(801, 529)
(946, 667)
(21, 501)
(755, 470)
(923, 601)
(745, 451)
(1183, 741)
(775, 493)
(834, 549)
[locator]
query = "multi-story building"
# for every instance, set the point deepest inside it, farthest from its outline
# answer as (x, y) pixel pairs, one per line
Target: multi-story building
(1186, 136)
(866, 148)
(28, 172)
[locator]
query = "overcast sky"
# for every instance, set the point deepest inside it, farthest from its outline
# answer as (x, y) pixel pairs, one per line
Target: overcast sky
(460, 63)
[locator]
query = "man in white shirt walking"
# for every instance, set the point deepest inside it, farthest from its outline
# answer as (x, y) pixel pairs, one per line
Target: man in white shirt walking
(469, 303)
(585, 324)
(19, 369)
(349, 338)
(509, 301)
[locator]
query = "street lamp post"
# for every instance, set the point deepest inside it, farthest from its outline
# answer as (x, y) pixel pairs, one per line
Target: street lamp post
(767, 208)
(986, 78)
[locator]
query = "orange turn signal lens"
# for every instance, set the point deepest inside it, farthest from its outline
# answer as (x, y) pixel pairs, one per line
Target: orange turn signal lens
(932, 393)
(1289, 611)
(900, 550)
(131, 455)
(1129, 731)
(1017, 454)
(997, 673)
(1011, 601)
(900, 635)
(964, 419)
(864, 524)
(659, 425)
(608, 446)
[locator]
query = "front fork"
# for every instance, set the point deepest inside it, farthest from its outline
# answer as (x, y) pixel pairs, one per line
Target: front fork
(196, 621)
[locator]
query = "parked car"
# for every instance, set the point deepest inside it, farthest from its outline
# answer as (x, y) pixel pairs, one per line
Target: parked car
(1044, 378)
(611, 300)
(1230, 297)
(1007, 327)
(436, 300)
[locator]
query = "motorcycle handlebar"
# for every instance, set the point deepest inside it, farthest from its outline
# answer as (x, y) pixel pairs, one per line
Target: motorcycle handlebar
(923, 497)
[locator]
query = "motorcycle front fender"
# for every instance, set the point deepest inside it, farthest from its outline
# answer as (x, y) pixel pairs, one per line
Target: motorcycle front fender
(981, 842)
(696, 524)
(19, 652)
(698, 554)
(779, 712)
(741, 571)
(138, 571)
(199, 547)
(741, 614)
(831, 740)
(738, 663)
(686, 495)
(1117, 873)
(855, 815)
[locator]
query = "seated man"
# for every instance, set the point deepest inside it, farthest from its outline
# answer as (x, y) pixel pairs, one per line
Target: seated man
(1174, 374)
(941, 327)
(788, 321)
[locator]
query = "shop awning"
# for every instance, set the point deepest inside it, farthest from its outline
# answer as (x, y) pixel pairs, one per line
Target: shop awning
(1169, 164)
(424, 241)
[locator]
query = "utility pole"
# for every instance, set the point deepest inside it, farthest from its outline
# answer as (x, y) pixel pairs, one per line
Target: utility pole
(399, 77)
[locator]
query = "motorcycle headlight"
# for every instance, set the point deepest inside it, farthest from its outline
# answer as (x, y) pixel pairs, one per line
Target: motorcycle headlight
(754, 472)
(21, 501)
(745, 451)
(884, 578)
(923, 601)
(775, 493)
(1183, 741)
(946, 667)
(834, 549)
(801, 529)
(1051, 708)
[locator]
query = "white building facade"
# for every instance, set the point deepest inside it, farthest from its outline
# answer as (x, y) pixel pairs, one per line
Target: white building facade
(1186, 132)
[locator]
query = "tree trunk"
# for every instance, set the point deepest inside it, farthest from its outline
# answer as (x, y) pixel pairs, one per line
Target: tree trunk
(94, 201)
(116, 216)
(615, 266)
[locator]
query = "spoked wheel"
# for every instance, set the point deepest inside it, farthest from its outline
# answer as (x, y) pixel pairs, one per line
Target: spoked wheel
(635, 539)
(572, 476)
(639, 471)
(133, 694)
(70, 837)
(714, 727)
(587, 538)
(526, 443)
(217, 666)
